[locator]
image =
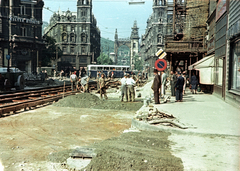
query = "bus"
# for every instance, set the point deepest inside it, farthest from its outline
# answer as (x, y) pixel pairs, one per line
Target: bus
(118, 70)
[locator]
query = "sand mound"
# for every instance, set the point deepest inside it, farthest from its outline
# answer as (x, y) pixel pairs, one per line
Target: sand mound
(88, 100)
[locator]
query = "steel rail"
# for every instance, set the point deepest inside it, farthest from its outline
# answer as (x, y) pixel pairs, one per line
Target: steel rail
(30, 99)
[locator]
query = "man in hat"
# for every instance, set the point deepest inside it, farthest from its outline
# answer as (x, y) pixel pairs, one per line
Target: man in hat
(156, 86)
(124, 87)
(179, 87)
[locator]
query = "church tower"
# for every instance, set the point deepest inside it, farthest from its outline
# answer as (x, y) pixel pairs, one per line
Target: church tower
(134, 42)
(84, 20)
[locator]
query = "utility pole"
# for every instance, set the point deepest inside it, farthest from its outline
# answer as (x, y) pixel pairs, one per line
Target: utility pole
(10, 34)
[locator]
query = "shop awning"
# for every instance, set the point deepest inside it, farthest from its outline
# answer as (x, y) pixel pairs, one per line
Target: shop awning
(206, 62)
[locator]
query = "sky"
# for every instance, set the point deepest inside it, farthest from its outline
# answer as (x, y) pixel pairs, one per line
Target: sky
(110, 15)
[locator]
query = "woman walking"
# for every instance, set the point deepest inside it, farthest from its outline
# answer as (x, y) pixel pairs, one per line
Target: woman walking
(194, 83)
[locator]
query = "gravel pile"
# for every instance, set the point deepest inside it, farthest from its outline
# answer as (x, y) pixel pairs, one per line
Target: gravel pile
(88, 100)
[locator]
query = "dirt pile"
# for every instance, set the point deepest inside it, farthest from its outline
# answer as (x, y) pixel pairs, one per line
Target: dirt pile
(135, 151)
(88, 100)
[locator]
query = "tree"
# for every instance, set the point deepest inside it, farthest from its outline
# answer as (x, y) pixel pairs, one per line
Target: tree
(103, 59)
(50, 51)
(138, 64)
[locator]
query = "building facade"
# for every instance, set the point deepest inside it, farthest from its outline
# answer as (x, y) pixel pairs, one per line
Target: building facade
(157, 28)
(232, 82)
(77, 34)
(132, 43)
(21, 33)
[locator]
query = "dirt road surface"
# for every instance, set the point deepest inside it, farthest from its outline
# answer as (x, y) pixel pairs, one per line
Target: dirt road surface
(27, 139)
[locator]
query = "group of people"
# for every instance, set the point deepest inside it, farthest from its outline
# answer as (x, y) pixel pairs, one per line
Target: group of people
(178, 82)
(79, 82)
(127, 88)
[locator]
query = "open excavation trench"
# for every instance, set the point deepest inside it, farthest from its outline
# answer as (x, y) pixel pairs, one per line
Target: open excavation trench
(45, 138)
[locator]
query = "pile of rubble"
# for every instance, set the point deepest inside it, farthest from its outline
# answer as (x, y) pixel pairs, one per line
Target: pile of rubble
(156, 117)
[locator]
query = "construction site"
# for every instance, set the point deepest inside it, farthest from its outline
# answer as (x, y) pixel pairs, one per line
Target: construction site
(59, 129)
(49, 126)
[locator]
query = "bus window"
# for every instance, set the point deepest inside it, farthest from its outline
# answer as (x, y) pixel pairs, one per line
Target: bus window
(93, 68)
(106, 68)
(118, 68)
(99, 68)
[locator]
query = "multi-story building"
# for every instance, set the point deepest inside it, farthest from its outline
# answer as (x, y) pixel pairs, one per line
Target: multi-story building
(232, 78)
(156, 30)
(77, 34)
(21, 33)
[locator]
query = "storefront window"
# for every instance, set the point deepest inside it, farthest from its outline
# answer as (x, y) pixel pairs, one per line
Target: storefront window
(236, 66)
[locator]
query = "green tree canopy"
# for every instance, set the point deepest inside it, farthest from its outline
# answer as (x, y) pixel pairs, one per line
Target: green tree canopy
(138, 65)
(50, 51)
(103, 59)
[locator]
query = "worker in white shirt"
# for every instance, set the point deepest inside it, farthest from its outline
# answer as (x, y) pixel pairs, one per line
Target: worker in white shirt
(130, 84)
(124, 88)
(73, 79)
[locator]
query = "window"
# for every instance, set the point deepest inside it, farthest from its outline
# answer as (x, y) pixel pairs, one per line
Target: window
(23, 31)
(72, 38)
(72, 28)
(83, 38)
(64, 49)
(72, 49)
(160, 39)
(64, 37)
(134, 45)
(219, 71)
(83, 49)
(22, 10)
(83, 13)
(83, 27)
(235, 60)
(64, 28)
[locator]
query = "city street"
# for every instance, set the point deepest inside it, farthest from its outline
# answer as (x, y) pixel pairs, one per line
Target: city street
(42, 139)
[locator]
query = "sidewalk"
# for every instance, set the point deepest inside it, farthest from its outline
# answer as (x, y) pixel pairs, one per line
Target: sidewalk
(206, 112)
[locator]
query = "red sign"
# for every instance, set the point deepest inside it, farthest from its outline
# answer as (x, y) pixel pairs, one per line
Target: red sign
(161, 64)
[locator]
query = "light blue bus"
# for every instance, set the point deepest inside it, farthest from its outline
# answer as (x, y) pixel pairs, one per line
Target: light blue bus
(118, 70)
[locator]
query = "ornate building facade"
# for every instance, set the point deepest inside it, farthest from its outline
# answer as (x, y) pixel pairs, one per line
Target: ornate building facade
(158, 26)
(77, 34)
(132, 43)
(21, 33)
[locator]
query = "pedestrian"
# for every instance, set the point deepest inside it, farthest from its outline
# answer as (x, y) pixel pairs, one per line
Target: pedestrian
(185, 82)
(163, 85)
(179, 87)
(156, 86)
(103, 88)
(143, 75)
(112, 75)
(124, 88)
(73, 79)
(2, 81)
(62, 74)
(173, 81)
(194, 83)
(130, 86)
(146, 75)
(84, 82)
(54, 74)
(43, 76)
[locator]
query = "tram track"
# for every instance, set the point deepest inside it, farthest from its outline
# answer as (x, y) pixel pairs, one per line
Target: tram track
(11, 103)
